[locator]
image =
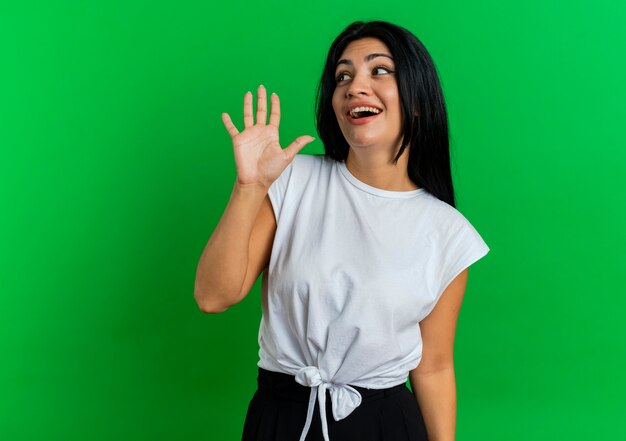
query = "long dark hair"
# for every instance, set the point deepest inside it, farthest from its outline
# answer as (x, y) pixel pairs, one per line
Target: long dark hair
(422, 104)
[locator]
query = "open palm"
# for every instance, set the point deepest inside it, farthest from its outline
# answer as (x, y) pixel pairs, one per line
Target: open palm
(259, 158)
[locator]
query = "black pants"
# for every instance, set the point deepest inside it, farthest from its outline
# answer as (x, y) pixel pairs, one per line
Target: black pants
(278, 409)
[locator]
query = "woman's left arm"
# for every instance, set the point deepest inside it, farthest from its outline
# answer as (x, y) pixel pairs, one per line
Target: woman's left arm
(433, 381)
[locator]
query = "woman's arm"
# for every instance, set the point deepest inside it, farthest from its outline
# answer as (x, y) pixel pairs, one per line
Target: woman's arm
(433, 381)
(240, 245)
(224, 262)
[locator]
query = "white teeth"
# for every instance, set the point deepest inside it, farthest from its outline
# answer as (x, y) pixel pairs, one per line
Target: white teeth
(354, 111)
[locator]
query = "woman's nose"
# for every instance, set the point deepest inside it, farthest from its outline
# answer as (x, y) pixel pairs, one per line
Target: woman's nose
(359, 85)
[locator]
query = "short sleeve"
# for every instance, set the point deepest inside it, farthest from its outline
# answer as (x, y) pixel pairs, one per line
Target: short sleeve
(278, 188)
(459, 250)
(464, 248)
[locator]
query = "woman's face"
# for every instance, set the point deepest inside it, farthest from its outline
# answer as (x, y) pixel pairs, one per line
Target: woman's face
(365, 76)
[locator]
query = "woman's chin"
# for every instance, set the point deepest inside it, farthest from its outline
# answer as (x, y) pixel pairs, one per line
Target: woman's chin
(364, 142)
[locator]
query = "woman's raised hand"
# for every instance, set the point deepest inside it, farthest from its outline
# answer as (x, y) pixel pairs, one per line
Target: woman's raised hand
(259, 158)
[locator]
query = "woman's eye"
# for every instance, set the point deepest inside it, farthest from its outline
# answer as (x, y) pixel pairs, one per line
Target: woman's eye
(384, 68)
(339, 77)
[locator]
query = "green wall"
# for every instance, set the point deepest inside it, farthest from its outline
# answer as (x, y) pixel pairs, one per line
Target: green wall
(115, 168)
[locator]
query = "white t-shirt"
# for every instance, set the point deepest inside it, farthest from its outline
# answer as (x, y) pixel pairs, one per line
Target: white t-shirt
(353, 270)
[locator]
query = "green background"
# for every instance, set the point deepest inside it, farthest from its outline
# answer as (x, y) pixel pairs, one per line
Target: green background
(115, 168)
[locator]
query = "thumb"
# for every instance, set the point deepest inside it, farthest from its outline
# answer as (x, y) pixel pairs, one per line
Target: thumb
(297, 145)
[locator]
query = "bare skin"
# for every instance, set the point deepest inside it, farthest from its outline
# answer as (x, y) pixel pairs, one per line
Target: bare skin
(259, 158)
(433, 380)
(239, 247)
(370, 78)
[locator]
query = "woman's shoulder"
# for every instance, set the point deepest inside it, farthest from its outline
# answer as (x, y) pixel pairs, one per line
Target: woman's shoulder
(307, 164)
(311, 159)
(444, 215)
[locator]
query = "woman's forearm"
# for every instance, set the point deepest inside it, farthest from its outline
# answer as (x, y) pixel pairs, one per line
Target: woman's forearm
(436, 395)
(224, 261)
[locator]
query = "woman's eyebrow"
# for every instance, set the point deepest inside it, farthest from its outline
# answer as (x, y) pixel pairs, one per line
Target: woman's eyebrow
(367, 58)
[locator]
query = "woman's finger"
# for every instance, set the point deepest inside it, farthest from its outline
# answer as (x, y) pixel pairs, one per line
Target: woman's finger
(261, 106)
(248, 121)
(298, 144)
(275, 110)
(230, 127)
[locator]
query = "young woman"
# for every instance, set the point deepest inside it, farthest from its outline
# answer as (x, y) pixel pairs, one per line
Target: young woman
(363, 254)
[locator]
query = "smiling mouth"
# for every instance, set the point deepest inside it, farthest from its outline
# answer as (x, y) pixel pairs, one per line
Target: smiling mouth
(361, 117)
(363, 112)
